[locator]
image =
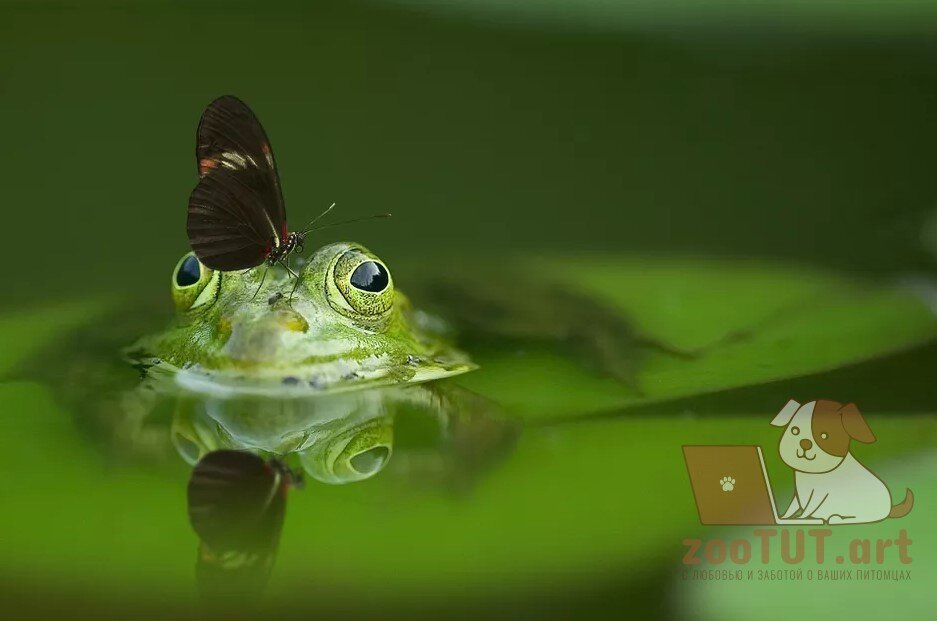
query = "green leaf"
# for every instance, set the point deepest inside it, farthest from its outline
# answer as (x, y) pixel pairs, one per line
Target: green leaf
(753, 323)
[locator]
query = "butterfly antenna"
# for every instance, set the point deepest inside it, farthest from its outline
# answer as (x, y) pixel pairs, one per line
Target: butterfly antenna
(326, 226)
(309, 226)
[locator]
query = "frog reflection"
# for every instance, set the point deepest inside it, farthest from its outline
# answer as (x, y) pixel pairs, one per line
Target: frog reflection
(349, 437)
(237, 499)
(334, 439)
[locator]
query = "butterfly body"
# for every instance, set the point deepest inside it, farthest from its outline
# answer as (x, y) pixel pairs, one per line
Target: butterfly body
(294, 242)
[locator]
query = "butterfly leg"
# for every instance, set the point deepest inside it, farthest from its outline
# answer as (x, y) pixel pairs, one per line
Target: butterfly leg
(295, 276)
(290, 270)
(293, 290)
(262, 279)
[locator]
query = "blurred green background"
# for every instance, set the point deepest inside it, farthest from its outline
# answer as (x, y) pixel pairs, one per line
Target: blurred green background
(784, 129)
(781, 132)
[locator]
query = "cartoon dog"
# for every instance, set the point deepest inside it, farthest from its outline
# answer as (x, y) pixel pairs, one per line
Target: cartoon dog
(830, 483)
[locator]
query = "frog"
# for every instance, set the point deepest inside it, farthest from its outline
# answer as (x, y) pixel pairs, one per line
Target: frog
(317, 367)
(340, 325)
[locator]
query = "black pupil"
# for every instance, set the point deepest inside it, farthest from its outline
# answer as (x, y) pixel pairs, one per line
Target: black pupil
(189, 272)
(370, 276)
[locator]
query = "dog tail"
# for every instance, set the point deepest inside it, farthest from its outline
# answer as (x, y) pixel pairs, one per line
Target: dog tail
(903, 508)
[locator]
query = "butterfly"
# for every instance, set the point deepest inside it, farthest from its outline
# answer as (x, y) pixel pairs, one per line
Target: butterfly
(236, 215)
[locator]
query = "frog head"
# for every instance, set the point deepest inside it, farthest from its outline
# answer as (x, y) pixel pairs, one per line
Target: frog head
(339, 323)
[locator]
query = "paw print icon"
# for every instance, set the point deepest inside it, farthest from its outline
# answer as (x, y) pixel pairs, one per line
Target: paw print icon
(727, 484)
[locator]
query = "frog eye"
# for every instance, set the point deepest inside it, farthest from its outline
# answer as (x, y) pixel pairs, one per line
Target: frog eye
(364, 286)
(193, 284)
(189, 272)
(355, 453)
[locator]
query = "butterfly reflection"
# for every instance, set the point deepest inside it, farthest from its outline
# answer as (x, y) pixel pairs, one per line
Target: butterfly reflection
(236, 505)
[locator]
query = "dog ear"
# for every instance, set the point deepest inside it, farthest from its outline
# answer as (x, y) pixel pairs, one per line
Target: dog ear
(855, 425)
(786, 414)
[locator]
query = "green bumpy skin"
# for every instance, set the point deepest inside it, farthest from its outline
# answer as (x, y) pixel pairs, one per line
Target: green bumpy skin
(243, 332)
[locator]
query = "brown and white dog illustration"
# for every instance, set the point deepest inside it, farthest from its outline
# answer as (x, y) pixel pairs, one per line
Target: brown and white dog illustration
(830, 483)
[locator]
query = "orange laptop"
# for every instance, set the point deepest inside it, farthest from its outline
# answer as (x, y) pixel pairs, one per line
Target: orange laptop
(731, 486)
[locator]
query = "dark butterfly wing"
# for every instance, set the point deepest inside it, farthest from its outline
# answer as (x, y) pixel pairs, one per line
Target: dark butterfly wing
(236, 213)
(227, 225)
(230, 136)
(237, 502)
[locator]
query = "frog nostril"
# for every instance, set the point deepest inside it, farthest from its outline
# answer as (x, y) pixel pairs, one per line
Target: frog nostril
(371, 460)
(806, 444)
